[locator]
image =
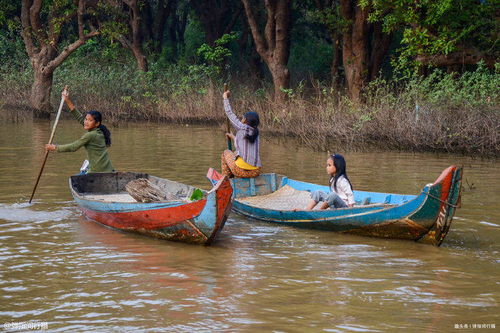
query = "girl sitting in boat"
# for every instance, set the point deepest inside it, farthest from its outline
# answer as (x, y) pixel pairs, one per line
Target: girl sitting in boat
(95, 141)
(245, 161)
(341, 194)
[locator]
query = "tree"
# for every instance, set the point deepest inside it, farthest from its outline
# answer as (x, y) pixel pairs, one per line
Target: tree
(11, 44)
(134, 39)
(442, 32)
(177, 27)
(155, 19)
(125, 27)
(359, 46)
(364, 46)
(217, 17)
(42, 26)
(274, 46)
(354, 41)
(217, 55)
(8, 11)
(327, 13)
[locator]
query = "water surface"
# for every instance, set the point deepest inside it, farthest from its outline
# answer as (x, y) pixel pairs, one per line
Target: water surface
(60, 268)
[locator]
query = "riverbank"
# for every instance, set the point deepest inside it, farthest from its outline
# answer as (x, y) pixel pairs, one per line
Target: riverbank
(440, 113)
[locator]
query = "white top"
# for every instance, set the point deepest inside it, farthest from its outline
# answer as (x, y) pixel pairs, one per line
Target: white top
(344, 190)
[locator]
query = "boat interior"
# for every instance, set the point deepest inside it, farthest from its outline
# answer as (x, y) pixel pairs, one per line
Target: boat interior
(111, 187)
(273, 191)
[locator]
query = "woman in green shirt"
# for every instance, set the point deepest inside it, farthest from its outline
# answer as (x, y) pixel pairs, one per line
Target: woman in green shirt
(95, 141)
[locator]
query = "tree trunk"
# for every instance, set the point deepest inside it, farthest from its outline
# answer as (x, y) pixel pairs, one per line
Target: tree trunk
(248, 55)
(136, 43)
(172, 36)
(148, 21)
(209, 12)
(142, 62)
(379, 49)
(274, 46)
(281, 79)
(364, 47)
(355, 48)
(216, 16)
(40, 91)
(162, 16)
(337, 59)
(177, 28)
(329, 8)
(41, 42)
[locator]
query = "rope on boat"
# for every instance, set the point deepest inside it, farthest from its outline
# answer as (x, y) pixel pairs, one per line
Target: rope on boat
(440, 200)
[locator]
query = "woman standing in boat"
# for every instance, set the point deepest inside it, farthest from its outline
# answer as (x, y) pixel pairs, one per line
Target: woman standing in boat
(95, 141)
(341, 194)
(245, 161)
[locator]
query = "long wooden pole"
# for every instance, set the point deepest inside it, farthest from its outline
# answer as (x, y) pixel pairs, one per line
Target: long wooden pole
(50, 142)
(228, 126)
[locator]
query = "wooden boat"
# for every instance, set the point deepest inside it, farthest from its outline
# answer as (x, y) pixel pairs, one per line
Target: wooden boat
(424, 217)
(103, 198)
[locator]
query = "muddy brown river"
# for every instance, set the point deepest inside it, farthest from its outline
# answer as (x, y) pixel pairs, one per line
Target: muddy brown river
(65, 272)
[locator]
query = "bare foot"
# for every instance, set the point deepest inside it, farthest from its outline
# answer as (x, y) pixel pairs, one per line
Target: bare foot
(324, 205)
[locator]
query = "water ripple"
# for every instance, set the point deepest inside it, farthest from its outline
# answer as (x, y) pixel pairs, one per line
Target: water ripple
(79, 276)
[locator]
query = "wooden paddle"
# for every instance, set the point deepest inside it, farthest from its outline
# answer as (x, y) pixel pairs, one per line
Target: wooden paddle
(228, 127)
(50, 142)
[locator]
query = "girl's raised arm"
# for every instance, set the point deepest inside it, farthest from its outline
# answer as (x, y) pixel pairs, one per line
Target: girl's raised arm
(78, 116)
(237, 124)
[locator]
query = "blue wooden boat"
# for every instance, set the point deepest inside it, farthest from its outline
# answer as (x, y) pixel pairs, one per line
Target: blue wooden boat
(103, 198)
(425, 217)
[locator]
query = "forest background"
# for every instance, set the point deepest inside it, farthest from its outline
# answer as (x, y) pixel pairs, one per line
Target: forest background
(412, 75)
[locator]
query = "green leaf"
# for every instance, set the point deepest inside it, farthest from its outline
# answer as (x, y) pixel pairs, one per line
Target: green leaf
(196, 195)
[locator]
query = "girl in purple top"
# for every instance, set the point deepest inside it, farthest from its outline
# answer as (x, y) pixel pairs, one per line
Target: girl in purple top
(244, 162)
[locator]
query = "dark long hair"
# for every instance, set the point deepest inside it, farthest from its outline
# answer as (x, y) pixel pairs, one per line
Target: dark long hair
(98, 118)
(340, 165)
(252, 120)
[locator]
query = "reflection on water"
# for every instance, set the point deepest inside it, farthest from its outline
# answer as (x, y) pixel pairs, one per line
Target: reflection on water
(60, 268)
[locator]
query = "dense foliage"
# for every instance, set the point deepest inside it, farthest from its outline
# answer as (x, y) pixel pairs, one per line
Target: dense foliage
(440, 27)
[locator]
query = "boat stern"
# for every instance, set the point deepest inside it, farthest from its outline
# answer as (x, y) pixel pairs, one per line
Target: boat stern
(447, 191)
(214, 215)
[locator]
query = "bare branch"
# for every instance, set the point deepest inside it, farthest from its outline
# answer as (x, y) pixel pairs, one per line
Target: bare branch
(461, 57)
(269, 31)
(282, 35)
(252, 22)
(125, 42)
(81, 9)
(275, 48)
(52, 65)
(36, 25)
(26, 32)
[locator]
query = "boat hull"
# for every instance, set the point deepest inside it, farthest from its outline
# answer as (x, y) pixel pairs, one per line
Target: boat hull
(196, 222)
(425, 217)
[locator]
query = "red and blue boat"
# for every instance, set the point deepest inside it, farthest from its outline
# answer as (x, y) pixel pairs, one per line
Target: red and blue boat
(103, 198)
(425, 217)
